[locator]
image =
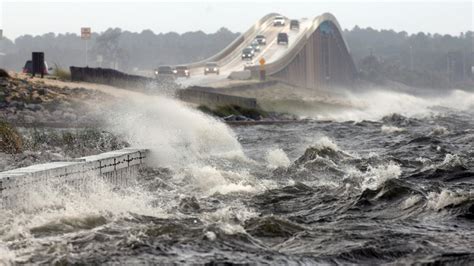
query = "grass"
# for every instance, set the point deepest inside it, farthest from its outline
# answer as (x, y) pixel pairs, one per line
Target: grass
(61, 73)
(227, 110)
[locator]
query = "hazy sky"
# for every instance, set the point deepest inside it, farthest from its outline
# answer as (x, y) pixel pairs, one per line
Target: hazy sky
(38, 17)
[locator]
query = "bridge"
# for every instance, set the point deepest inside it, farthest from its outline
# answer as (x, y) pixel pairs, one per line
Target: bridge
(316, 57)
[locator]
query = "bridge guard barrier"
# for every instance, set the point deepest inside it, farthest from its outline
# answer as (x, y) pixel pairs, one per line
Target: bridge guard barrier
(117, 167)
(206, 96)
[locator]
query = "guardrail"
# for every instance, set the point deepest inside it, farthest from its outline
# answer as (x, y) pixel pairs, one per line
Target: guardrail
(232, 47)
(207, 96)
(110, 77)
(118, 167)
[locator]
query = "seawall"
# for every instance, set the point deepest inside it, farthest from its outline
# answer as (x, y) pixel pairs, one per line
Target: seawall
(117, 167)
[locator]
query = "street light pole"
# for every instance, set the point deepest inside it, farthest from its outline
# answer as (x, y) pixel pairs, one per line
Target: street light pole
(87, 48)
(86, 35)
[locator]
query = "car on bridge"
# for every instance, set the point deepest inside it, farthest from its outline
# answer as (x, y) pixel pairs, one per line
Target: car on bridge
(211, 67)
(282, 38)
(255, 46)
(294, 24)
(279, 21)
(248, 53)
(182, 71)
(165, 71)
(261, 39)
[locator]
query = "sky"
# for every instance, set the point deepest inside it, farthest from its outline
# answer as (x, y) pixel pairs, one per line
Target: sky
(35, 17)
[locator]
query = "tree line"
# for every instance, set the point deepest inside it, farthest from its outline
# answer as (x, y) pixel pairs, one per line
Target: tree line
(426, 60)
(115, 48)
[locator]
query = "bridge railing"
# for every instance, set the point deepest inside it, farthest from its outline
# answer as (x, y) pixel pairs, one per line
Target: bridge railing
(231, 48)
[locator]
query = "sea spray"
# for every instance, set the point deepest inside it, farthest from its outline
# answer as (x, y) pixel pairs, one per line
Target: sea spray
(277, 158)
(176, 134)
(376, 103)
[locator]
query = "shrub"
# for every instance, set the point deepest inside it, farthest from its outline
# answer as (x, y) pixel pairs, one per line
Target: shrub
(10, 140)
(4, 73)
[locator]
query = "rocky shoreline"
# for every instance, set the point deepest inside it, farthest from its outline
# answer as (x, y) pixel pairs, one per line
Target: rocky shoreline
(50, 123)
(26, 102)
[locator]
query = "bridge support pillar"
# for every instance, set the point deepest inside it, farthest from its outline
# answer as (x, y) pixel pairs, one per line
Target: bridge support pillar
(262, 74)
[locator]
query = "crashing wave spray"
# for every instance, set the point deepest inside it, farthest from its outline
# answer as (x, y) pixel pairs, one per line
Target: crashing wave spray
(176, 134)
(375, 104)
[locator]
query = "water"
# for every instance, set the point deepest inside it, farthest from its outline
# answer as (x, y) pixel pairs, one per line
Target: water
(379, 183)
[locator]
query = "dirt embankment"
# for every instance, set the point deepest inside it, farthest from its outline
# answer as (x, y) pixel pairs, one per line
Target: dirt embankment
(33, 102)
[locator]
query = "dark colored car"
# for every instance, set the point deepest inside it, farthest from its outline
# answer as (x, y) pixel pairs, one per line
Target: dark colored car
(182, 71)
(282, 38)
(247, 53)
(211, 68)
(28, 68)
(294, 24)
(261, 39)
(164, 70)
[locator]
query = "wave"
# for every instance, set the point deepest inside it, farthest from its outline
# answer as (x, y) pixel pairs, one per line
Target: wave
(176, 134)
(271, 226)
(447, 198)
(377, 103)
(277, 158)
(374, 177)
(323, 148)
(391, 129)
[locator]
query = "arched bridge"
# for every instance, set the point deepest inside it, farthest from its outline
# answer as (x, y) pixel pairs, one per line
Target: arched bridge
(316, 56)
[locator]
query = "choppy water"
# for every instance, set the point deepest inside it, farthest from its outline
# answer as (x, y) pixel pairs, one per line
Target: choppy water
(396, 189)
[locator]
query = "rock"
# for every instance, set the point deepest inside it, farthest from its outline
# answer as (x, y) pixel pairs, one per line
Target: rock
(69, 117)
(33, 107)
(17, 104)
(56, 157)
(57, 113)
(29, 119)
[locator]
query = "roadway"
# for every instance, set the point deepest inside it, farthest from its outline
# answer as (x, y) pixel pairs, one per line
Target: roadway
(233, 61)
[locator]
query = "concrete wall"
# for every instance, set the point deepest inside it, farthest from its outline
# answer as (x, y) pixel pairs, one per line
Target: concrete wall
(111, 77)
(207, 96)
(118, 167)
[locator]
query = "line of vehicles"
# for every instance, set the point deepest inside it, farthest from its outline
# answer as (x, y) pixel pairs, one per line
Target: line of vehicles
(282, 38)
(248, 53)
(184, 71)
